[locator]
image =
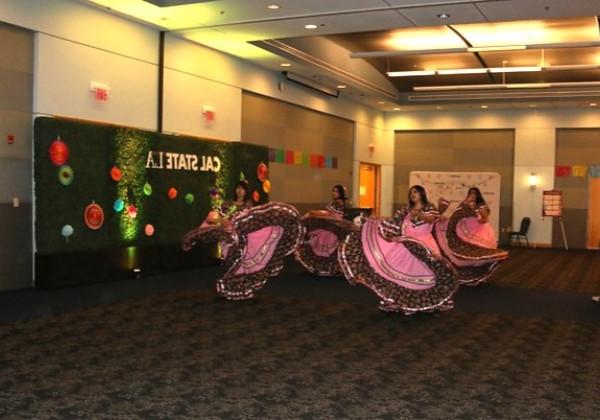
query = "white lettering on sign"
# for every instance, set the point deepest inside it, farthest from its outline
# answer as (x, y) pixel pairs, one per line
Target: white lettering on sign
(182, 161)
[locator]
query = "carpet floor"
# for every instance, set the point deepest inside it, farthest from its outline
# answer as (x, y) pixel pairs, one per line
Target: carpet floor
(524, 346)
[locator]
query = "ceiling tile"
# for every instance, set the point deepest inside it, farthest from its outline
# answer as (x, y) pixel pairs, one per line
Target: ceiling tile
(528, 32)
(409, 39)
(419, 3)
(358, 22)
(538, 9)
(428, 16)
(237, 11)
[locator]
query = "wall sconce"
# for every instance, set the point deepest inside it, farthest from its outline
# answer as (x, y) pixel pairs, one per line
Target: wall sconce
(533, 181)
(371, 147)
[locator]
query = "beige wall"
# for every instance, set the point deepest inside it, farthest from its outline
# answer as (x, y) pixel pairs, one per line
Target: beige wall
(575, 147)
(460, 151)
(534, 149)
(62, 86)
(16, 76)
(285, 126)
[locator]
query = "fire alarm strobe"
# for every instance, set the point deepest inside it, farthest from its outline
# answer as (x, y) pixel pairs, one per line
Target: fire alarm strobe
(100, 91)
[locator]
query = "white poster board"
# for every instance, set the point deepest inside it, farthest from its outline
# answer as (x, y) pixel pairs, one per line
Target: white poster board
(453, 186)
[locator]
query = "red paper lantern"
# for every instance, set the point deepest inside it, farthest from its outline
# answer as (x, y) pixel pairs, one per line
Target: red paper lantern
(59, 152)
(172, 193)
(132, 211)
(93, 216)
(262, 172)
(255, 196)
(115, 174)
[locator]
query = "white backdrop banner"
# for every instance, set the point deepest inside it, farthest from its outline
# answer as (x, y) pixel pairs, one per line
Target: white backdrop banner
(453, 186)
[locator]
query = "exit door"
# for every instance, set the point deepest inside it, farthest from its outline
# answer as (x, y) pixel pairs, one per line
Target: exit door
(369, 187)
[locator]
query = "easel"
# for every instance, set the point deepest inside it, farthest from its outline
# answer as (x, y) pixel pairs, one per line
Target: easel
(552, 205)
(562, 228)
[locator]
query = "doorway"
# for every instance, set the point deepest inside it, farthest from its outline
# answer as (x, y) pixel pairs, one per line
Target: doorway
(368, 187)
(593, 237)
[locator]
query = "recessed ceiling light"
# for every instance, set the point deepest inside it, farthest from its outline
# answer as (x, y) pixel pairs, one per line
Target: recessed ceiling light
(341, 86)
(311, 26)
(381, 102)
(273, 6)
(443, 15)
(285, 65)
(439, 107)
(593, 104)
(396, 109)
(532, 105)
(484, 106)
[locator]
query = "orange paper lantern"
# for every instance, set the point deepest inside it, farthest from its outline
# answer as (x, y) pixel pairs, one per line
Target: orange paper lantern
(267, 186)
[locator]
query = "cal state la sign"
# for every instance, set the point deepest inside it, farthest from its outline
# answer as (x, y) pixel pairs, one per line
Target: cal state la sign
(182, 161)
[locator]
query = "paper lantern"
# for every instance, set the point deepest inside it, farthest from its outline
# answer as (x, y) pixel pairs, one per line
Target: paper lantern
(189, 198)
(118, 205)
(59, 152)
(149, 230)
(66, 231)
(172, 193)
(266, 186)
(132, 211)
(255, 196)
(65, 175)
(93, 216)
(147, 189)
(262, 171)
(213, 217)
(115, 174)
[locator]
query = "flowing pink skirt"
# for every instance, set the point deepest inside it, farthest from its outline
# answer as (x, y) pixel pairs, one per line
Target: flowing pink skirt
(474, 262)
(481, 234)
(317, 252)
(404, 273)
(259, 239)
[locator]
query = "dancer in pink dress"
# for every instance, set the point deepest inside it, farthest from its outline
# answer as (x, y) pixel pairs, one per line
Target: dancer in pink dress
(468, 240)
(256, 239)
(418, 218)
(325, 229)
(405, 272)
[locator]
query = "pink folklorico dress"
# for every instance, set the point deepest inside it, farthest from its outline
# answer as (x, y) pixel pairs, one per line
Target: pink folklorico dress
(258, 239)
(417, 228)
(469, 244)
(471, 230)
(325, 230)
(403, 271)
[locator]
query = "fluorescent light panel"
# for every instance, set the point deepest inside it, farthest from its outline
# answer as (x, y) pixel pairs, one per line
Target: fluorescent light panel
(411, 73)
(497, 48)
(492, 70)
(463, 71)
(504, 86)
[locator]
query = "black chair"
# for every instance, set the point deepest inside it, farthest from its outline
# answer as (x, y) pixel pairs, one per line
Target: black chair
(522, 232)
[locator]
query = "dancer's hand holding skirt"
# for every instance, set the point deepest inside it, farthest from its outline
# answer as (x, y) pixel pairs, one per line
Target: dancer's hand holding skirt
(469, 247)
(259, 239)
(406, 275)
